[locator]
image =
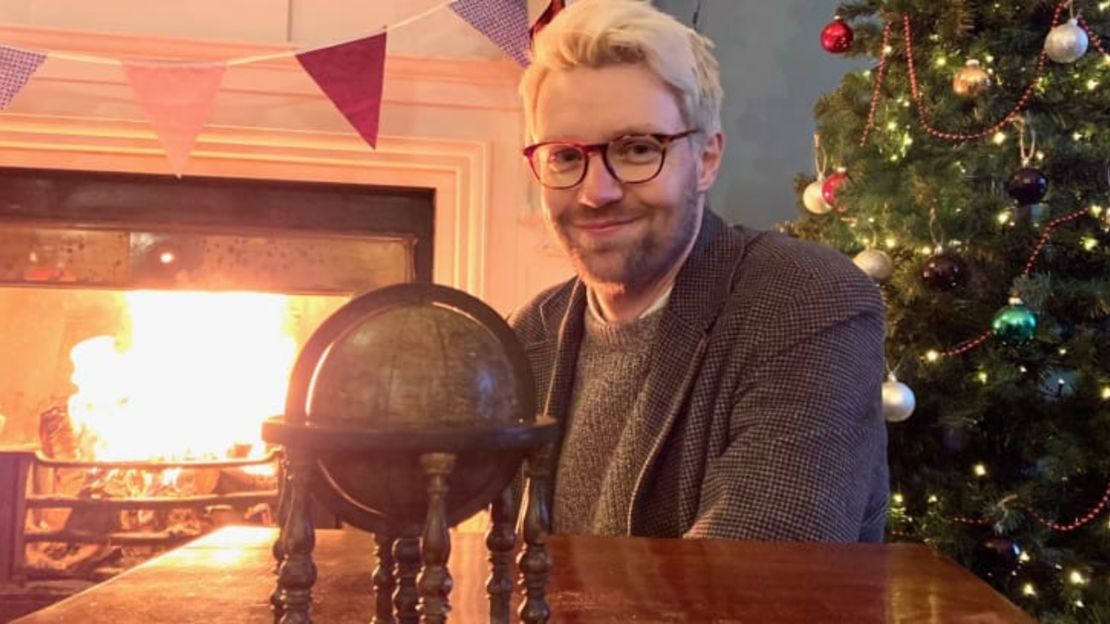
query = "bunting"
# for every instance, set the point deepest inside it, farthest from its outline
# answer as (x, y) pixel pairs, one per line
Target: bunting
(16, 68)
(352, 74)
(177, 100)
(504, 22)
(177, 97)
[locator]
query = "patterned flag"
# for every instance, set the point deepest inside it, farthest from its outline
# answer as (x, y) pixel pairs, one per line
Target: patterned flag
(16, 68)
(504, 22)
(177, 100)
(351, 75)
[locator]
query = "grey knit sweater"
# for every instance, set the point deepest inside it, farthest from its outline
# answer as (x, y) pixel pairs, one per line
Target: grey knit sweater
(591, 490)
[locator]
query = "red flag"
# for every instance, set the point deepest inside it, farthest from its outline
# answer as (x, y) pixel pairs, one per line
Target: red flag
(545, 18)
(351, 75)
(177, 100)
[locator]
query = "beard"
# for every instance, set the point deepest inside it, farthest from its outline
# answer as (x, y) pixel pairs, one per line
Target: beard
(629, 264)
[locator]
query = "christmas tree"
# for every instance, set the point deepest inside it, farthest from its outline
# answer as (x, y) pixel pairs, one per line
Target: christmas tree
(967, 170)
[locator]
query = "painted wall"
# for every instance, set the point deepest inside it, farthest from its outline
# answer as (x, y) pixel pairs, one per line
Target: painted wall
(773, 69)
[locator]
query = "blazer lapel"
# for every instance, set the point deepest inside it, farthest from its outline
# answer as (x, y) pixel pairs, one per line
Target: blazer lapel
(699, 293)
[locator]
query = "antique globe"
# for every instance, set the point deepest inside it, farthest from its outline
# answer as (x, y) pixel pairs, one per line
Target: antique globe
(404, 370)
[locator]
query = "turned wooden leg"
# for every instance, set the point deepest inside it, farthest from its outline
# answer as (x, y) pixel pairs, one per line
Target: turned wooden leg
(297, 572)
(278, 549)
(384, 579)
(500, 540)
(406, 551)
(534, 560)
(435, 580)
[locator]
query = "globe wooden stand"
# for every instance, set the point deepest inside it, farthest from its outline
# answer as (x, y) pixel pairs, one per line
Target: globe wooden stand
(410, 409)
(412, 560)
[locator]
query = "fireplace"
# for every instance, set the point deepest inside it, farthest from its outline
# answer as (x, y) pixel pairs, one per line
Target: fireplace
(149, 324)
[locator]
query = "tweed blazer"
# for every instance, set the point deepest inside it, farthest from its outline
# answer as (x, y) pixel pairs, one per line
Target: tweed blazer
(762, 416)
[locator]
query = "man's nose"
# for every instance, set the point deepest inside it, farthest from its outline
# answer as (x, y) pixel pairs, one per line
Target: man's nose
(599, 188)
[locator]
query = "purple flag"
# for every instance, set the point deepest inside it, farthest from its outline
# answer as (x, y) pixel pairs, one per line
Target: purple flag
(351, 75)
(504, 22)
(16, 67)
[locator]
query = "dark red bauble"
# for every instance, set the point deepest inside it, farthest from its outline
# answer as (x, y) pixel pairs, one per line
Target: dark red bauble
(1027, 185)
(831, 186)
(942, 272)
(836, 37)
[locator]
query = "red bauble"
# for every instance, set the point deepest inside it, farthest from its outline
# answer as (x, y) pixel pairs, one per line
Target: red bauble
(836, 37)
(831, 186)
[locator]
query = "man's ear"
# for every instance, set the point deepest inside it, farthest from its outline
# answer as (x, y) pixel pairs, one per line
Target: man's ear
(709, 160)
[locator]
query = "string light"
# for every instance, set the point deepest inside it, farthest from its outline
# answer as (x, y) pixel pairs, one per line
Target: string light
(898, 498)
(1024, 557)
(892, 242)
(931, 355)
(933, 499)
(980, 470)
(983, 376)
(1076, 578)
(1028, 589)
(1089, 243)
(1105, 393)
(1063, 351)
(999, 137)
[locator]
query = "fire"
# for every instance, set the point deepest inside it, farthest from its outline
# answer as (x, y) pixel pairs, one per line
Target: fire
(194, 377)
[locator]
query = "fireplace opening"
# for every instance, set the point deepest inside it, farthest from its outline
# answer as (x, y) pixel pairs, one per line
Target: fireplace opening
(149, 327)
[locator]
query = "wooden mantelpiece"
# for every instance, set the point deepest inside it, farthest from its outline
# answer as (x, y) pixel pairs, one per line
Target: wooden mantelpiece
(450, 125)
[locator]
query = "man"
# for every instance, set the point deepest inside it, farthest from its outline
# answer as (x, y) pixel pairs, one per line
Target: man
(711, 381)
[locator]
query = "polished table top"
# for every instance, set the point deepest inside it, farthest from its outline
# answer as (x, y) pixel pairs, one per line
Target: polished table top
(227, 576)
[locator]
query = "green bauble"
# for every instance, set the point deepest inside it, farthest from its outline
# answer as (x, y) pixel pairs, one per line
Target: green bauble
(1015, 323)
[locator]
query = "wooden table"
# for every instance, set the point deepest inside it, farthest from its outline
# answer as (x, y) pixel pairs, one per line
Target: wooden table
(227, 576)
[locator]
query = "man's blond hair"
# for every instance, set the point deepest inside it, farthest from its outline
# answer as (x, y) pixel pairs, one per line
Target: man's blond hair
(599, 33)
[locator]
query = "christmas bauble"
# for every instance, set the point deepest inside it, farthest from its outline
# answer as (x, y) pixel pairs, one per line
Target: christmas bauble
(1015, 323)
(831, 186)
(875, 263)
(971, 80)
(995, 557)
(1027, 185)
(942, 272)
(1066, 43)
(813, 200)
(836, 36)
(898, 401)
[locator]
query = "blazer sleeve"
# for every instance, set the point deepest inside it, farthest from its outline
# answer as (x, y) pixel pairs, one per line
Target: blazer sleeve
(807, 442)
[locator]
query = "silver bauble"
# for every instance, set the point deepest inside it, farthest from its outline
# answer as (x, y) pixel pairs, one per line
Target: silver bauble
(1066, 43)
(898, 401)
(875, 263)
(813, 200)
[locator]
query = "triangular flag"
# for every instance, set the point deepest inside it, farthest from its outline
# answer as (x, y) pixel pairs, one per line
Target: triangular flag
(504, 22)
(540, 14)
(177, 100)
(351, 75)
(16, 68)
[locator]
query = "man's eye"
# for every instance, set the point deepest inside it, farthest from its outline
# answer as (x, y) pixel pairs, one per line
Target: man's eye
(638, 149)
(564, 157)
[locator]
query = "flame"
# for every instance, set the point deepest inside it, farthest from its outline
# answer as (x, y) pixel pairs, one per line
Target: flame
(195, 376)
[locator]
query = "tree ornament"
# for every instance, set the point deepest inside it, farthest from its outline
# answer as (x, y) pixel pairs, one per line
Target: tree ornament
(942, 272)
(996, 557)
(836, 36)
(875, 263)
(898, 400)
(971, 80)
(831, 186)
(1015, 323)
(813, 200)
(1066, 43)
(1027, 185)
